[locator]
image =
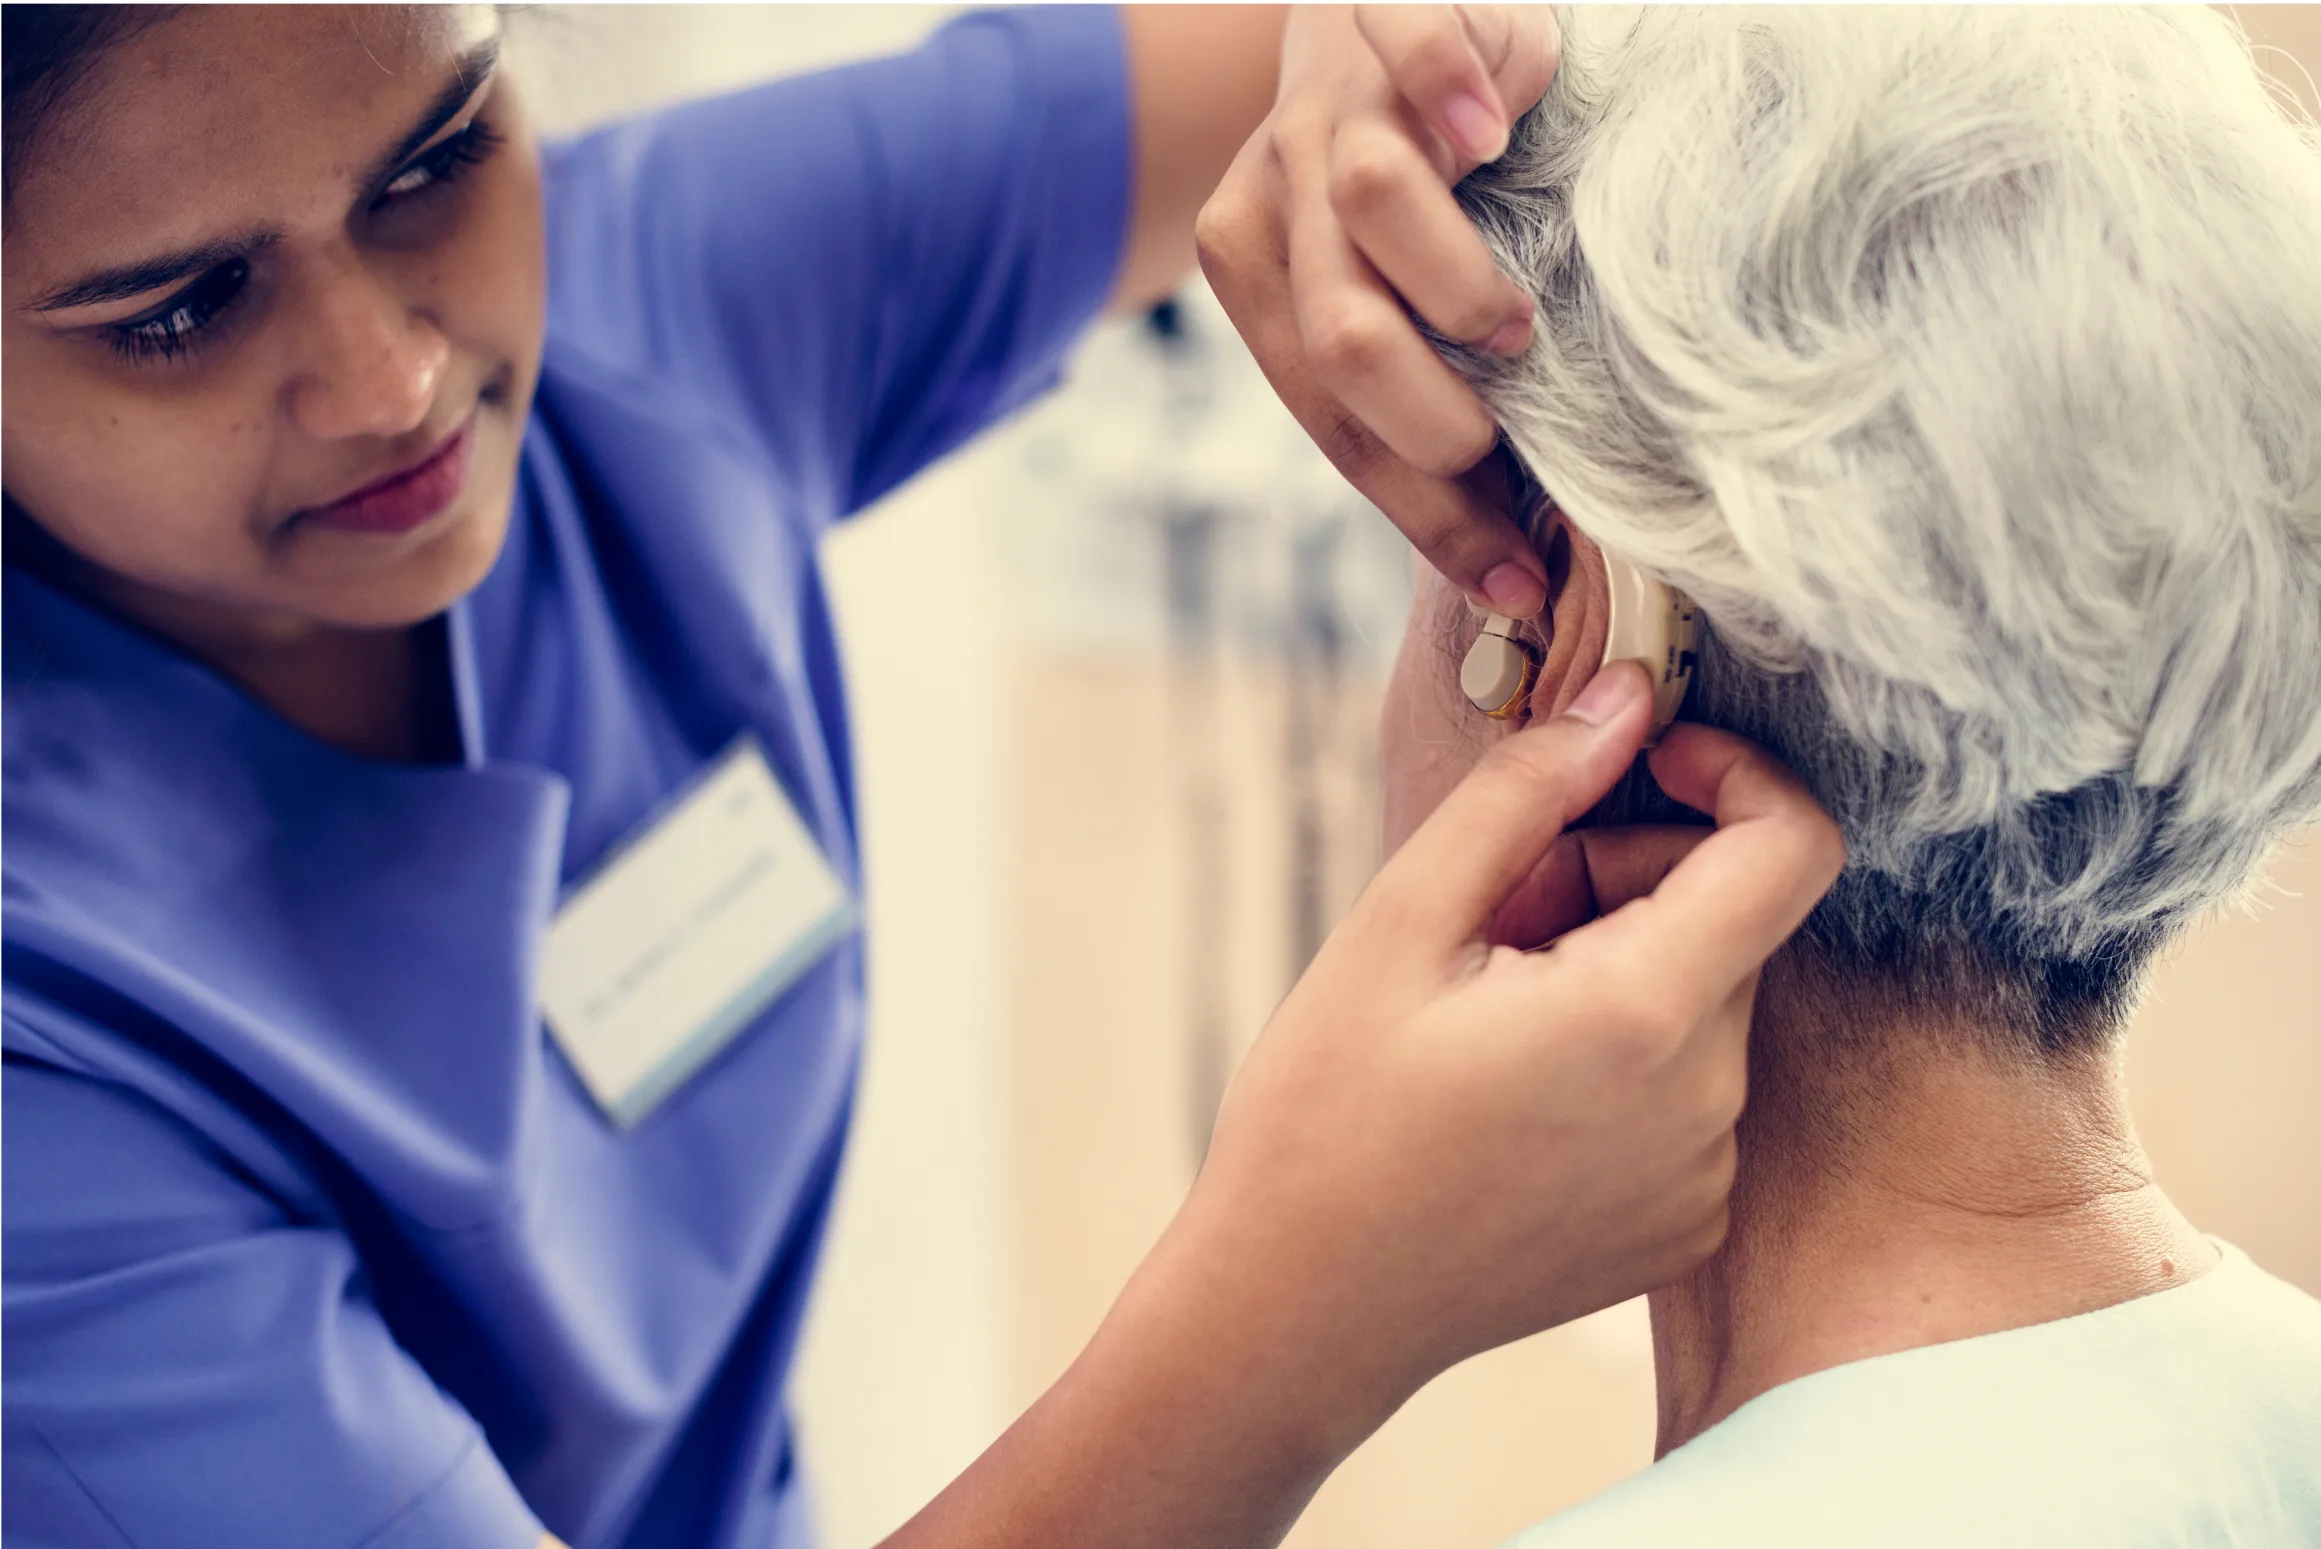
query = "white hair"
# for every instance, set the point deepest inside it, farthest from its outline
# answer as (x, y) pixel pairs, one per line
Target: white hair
(1965, 365)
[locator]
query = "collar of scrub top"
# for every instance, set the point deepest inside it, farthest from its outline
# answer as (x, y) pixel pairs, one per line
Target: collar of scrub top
(307, 909)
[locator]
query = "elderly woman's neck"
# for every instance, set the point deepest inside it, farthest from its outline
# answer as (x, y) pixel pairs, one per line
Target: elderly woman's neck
(1935, 1190)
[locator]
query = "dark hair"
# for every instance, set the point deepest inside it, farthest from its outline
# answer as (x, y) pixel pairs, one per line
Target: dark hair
(44, 52)
(1935, 944)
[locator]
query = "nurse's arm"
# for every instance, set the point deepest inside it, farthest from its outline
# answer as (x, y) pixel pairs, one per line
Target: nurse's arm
(1335, 228)
(1436, 1146)
(1201, 79)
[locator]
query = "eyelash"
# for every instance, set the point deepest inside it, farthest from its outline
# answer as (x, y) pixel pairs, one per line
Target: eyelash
(175, 327)
(170, 331)
(444, 165)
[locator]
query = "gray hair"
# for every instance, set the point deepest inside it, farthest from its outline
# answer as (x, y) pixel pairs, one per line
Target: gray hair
(1965, 366)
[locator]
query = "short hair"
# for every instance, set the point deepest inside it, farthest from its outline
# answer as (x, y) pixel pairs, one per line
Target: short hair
(1965, 366)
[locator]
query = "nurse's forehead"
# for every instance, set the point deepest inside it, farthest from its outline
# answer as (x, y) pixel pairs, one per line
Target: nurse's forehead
(221, 119)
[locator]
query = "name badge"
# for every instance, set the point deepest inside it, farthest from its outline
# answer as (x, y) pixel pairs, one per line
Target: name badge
(689, 930)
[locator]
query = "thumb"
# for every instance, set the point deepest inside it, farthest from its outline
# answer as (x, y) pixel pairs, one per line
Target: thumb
(1440, 892)
(1468, 71)
(1520, 47)
(1586, 873)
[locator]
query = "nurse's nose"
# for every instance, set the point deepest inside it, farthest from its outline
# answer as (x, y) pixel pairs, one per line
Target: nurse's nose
(371, 362)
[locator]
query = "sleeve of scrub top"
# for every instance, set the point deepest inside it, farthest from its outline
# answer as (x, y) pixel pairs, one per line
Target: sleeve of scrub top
(185, 1364)
(865, 265)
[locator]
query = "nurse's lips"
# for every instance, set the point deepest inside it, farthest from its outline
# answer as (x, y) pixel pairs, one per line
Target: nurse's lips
(405, 499)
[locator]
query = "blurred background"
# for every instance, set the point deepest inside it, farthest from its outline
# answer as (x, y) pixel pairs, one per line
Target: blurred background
(1100, 854)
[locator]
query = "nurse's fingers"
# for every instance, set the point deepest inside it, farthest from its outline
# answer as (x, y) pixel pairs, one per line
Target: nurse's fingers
(1463, 534)
(1429, 55)
(1400, 215)
(1366, 353)
(1468, 70)
(1586, 873)
(1731, 901)
(1434, 902)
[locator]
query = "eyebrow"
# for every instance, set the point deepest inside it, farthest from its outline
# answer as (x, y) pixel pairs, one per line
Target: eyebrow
(469, 75)
(470, 72)
(149, 274)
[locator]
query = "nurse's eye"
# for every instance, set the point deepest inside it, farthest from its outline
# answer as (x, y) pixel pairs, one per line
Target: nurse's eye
(440, 165)
(176, 326)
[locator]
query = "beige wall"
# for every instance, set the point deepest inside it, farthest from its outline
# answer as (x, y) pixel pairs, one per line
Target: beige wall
(2224, 1065)
(2288, 40)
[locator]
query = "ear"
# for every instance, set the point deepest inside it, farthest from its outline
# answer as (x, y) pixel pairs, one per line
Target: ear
(1579, 604)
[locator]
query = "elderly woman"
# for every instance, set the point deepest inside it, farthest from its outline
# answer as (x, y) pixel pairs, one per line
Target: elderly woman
(1965, 367)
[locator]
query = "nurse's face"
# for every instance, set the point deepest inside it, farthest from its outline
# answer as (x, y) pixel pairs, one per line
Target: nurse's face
(274, 301)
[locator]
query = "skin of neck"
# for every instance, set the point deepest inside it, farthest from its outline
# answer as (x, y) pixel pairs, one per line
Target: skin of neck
(356, 689)
(1906, 1181)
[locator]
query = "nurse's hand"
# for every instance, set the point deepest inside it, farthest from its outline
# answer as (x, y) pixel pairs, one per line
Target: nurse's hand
(1438, 1145)
(1336, 223)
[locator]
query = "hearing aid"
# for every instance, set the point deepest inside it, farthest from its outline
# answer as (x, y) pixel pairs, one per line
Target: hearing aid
(1651, 624)
(1499, 670)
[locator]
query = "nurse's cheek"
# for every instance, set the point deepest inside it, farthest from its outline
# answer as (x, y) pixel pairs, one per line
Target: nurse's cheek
(488, 288)
(155, 480)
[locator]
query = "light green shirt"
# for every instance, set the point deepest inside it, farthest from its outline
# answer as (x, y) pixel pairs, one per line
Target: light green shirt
(2187, 1418)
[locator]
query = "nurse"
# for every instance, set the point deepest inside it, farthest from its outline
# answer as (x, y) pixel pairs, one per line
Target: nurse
(412, 623)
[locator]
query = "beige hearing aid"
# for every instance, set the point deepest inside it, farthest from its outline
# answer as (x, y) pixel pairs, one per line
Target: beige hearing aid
(1651, 624)
(1499, 670)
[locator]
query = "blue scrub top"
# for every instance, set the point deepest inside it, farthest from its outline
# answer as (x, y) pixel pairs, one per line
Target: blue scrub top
(312, 1236)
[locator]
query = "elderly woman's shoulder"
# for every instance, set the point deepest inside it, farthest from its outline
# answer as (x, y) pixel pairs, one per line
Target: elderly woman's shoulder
(2189, 1416)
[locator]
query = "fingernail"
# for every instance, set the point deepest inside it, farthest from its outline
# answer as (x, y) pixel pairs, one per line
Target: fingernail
(1514, 590)
(1512, 338)
(1474, 128)
(1606, 695)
